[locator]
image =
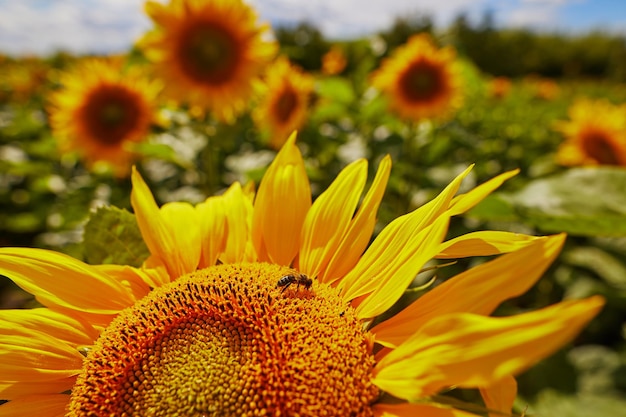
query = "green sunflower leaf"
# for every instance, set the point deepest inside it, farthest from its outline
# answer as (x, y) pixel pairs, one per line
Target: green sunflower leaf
(552, 403)
(580, 201)
(336, 89)
(112, 237)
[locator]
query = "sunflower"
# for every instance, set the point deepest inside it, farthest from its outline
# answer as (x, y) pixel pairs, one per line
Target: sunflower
(499, 87)
(420, 80)
(593, 140)
(209, 52)
(334, 61)
(285, 93)
(267, 306)
(101, 110)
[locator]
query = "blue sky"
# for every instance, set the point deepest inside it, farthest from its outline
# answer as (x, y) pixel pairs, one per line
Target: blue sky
(42, 26)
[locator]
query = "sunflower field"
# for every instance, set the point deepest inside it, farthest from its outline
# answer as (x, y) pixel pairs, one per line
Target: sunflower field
(231, 219)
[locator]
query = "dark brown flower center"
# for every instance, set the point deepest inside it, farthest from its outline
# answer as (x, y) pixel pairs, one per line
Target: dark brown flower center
(422, 81)
(599, 146)
(111, 113)
(285, 105)
(208, 53)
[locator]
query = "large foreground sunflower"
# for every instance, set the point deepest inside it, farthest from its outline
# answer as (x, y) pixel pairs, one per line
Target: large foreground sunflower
(101, 110)
(265, 307)
(285, 96)
(420, 80)
(210, 52)
(591, 139)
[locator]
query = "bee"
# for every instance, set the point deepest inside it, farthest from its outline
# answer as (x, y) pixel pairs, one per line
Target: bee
(299, 279)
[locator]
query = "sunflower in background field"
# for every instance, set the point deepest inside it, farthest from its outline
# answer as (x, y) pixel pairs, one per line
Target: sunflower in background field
(209, 52)
(499, 87)
(285, 96)
(266, 306)
(334, 61)
(595, 134)
(101, 110)
(420, 80)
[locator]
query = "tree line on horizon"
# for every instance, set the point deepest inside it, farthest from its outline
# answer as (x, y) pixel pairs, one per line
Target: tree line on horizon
(509, 52)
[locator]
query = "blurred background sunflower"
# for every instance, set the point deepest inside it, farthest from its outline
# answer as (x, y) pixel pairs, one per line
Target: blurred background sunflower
(100, 110)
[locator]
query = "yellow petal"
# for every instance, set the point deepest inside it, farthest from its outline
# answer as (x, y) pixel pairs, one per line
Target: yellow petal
(464, 202)
(37, 357)
(238, 247)
(136, 281)
(469, 351)
(60, 280)
(52, 405)
(281, 204)
(329, 218)
(415, 410)
(483, 243)
(399, 272)
(171, 233)
(15, 390)
(477, 290)
(500, 396)
(212, 217)
(64, 328)
(393, 240)
(361, 227)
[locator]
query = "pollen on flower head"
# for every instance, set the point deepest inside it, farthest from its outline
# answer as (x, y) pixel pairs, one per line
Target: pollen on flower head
(227, 341)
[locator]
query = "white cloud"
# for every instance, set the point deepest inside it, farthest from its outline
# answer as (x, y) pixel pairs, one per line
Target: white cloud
(32, 26)
(81, 26)
(348, 18)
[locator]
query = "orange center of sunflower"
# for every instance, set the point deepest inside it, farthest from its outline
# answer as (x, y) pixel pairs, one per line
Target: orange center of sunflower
(226, 341)
(110, 113)
(421, 81)
(600, 147)
(285, 104)
(208, 53)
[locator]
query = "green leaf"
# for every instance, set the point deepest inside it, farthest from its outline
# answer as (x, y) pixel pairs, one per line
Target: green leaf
(551, 403)
(580, 201)
(336, 89)
(112, 237)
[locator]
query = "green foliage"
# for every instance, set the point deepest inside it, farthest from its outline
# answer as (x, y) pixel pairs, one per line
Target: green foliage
(112, 237)
(582, 201)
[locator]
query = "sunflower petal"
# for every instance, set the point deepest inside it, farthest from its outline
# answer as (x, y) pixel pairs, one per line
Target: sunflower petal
(63, 327)
(52, 405)
(499, 396)
(238, 247)
(400, 271)
(421, 410)
(14, 390)
(395, 239)
(60, 280)
(37, 357)
(478, 290)
(213, 219)
(329, 218)
(280, 207)
(171, 233)
(468, 351)
(361, 227)
(464, 202)
(484, 243)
